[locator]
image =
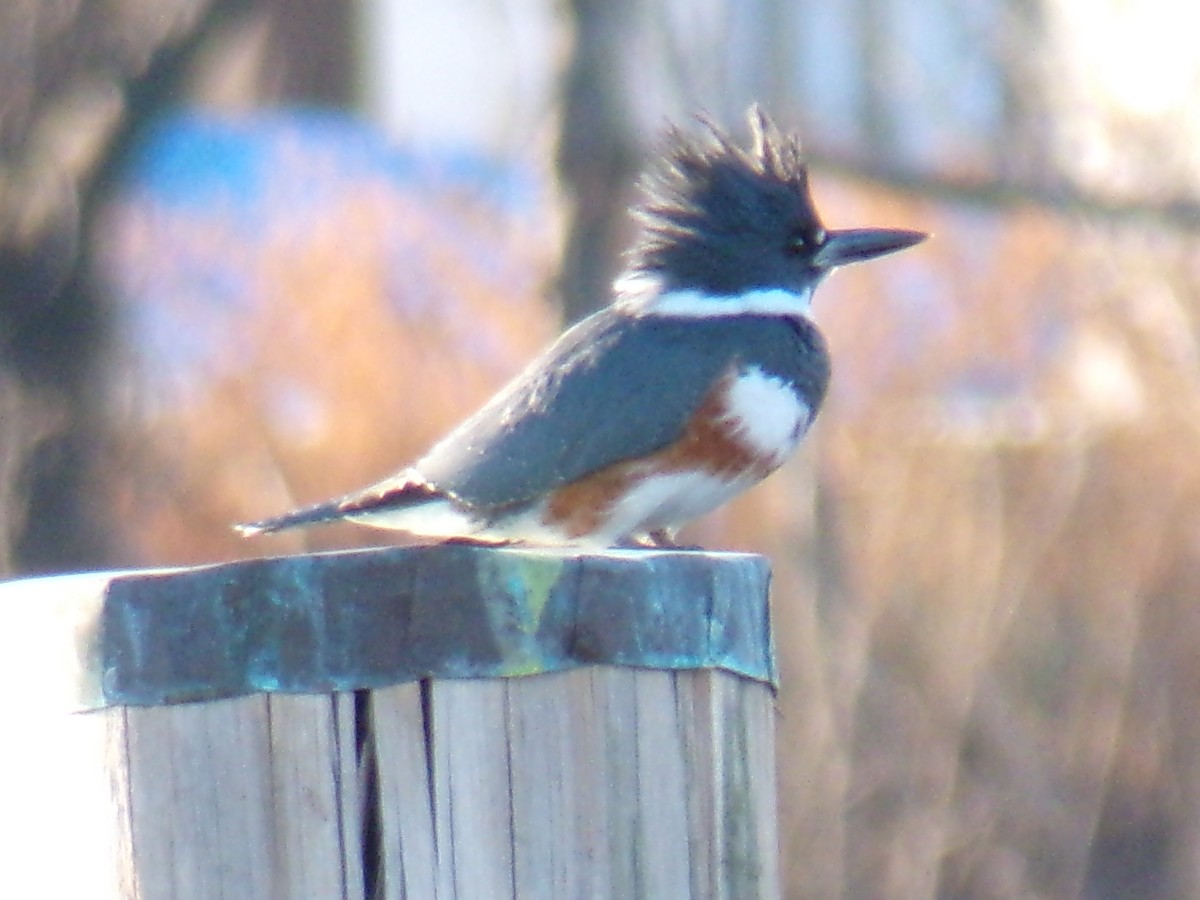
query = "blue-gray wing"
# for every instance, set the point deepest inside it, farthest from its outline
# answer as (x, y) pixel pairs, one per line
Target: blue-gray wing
(614, 387)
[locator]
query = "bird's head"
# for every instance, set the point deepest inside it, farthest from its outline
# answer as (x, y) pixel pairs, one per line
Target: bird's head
(728, 230)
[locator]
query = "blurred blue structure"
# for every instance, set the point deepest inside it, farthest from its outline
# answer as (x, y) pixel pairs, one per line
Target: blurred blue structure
(206, 199)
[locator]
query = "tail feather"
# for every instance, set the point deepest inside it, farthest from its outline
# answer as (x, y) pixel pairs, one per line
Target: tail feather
(387, 496)
(310, 515)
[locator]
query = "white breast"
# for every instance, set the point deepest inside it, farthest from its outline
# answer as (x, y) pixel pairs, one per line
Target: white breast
(767, 412)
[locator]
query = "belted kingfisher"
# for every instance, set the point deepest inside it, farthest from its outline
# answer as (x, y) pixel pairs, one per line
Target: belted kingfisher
(695, 383)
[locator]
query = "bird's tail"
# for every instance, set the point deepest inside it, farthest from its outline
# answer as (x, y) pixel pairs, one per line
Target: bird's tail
(310, 515)
(389, 497)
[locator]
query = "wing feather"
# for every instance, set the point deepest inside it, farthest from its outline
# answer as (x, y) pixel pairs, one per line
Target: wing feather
(614, 387)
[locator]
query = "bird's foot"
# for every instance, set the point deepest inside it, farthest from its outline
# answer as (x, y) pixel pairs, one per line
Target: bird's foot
(659, 539)
(468, 541)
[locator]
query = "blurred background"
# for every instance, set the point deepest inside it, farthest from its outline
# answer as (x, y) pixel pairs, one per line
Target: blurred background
(253, 254)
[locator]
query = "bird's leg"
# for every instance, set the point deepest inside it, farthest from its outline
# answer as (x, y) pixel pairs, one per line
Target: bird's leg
(663, 539)
(659, 539)
(634, 542)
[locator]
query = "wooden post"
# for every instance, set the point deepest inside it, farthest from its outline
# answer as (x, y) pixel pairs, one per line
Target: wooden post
(444, 722)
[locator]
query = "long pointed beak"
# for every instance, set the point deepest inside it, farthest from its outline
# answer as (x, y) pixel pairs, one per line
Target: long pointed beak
(860, 244)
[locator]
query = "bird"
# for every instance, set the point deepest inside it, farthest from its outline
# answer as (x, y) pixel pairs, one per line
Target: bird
(697, 380)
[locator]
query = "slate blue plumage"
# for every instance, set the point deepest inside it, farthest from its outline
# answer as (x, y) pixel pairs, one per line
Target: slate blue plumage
(555, 427)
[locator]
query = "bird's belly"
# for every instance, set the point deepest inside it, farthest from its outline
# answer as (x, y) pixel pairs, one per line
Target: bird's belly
(647, 502)
(668, 500)
(743, 430)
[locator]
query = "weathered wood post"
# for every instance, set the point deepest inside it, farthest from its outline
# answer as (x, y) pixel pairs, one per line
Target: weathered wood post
(352, 725)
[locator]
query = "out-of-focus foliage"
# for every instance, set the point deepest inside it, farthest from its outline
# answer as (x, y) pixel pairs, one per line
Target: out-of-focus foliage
(302, 309)
(1008, 528)
(71, 74)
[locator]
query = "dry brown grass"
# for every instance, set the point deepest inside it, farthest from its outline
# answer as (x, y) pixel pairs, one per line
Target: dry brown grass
(346, 365)
(995, 696)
